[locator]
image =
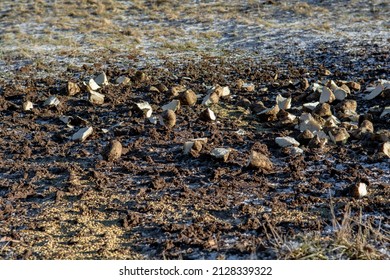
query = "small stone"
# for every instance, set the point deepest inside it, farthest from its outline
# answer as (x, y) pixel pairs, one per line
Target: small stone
(382, 135)
(308, 122)
(305, 136)
(340, 94)
(222, 91)
(386, 93)
(385, 112)
(385, 148)
(27, 106)
(332, 121)
(346, 114)
(73, 179)
(113, 151)
(176, 90)
(92, 85)
(327, 95)
(261, 161)
(368, 116)
(295, 150)
(375, 92)
(52, 101)
(258, 107)
(124, 80)
(246, 103)
(187, 146)
(355, 134)
(65, 119)
(311, 106)
(140, 77)
(284, 103)
(220, 153)
(285, 117)
(315, 87)
(304, 84)
(249, 87)
(197, 145)
(168, 118)
(332, 85)
(347, 105)
(144, 108)
(194, 145)
(286, 141)
(354, 86)
(208, 115)
(82, 134)
(239, 83)
(162, 87)
(269, 114)
(385, 83)
(359, 190)
(349, 126)
(11, 105)
(326, 72)
(211, 98)
(367, 127)
(72, 88)
(346, 89)
(240, 132)
(188, 97)
(154, 89)
(317, 142)
(101, 80)
(174, 105)
(96, 97)
(153, 119)
(323, 110)
(339, 135)
(73, 121)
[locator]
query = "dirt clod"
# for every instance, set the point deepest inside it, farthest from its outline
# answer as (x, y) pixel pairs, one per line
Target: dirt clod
(97, 176)
(260, 161)
(113, 151)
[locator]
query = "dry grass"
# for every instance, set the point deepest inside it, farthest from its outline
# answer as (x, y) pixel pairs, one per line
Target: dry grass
(352, 238)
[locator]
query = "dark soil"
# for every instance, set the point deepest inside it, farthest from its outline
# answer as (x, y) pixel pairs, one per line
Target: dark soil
(60, 199)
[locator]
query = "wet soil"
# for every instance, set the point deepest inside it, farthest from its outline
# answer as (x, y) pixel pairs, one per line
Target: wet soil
(63, 199)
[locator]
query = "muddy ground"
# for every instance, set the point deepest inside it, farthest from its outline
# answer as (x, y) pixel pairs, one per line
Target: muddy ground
(62, 199)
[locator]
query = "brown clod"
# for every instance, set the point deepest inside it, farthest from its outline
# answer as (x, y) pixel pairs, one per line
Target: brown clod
(113, 151)
(188, 97)
(169, 118)
(140, 77)
(323, 110)
(73, 88)
(354, 86)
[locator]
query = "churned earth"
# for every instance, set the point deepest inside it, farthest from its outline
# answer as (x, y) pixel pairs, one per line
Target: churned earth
(62, 198)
